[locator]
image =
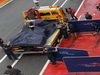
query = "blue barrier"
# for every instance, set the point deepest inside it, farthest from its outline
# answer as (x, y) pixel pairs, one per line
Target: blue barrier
(84, 26)
(82, 64)
(64, 52)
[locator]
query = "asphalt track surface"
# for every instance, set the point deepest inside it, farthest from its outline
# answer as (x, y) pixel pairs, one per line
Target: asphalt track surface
(11, 22)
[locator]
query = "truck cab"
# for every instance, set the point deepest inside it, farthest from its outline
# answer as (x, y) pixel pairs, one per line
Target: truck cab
(51, 13)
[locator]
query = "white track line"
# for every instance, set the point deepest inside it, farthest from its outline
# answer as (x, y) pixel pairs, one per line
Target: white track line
(3, 58)
(44, 67)
(6, 3)
(79, 7)
(55, 2)
(63, 3)
(9, 32)
(16, 60)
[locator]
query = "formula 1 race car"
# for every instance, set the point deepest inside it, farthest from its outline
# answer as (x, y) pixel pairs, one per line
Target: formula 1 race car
(32, 40)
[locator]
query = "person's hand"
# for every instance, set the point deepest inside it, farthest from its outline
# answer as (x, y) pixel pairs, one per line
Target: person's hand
(56, 49)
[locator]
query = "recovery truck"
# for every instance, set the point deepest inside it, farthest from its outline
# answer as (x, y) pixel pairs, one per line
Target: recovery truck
(45, 15)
